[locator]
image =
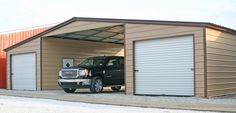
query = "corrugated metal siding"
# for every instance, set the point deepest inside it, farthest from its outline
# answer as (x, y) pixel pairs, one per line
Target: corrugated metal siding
(135, 32)
(221, 63)
(9, 39)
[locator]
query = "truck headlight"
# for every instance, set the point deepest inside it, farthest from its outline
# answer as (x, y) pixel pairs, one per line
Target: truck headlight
(90, 73)
(60, 74)
(83, 72)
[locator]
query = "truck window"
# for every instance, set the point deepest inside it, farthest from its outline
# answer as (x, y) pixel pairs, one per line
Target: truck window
(112, 63)
(97, 61)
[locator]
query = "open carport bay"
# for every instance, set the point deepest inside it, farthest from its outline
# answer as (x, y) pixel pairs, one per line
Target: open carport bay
(79, 45)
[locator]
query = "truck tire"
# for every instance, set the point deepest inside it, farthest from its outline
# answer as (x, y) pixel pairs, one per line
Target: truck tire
(96, 85)
(69, 90)
(116, 88)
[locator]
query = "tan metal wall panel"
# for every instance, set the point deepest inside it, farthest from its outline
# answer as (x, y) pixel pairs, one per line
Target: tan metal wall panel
(136, 32)
(221, 63)
(54, 50)
(32, 46)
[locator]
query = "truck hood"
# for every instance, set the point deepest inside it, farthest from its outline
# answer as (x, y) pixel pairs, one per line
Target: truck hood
(78, 67)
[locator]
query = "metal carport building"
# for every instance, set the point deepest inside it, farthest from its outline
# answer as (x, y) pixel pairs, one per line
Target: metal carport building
(161, 57)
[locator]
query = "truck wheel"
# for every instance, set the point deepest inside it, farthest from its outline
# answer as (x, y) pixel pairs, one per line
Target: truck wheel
(69, 90)
(96, 85)
(116, 88)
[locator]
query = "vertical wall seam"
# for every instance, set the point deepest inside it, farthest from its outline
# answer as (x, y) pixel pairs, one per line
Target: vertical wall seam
(205, 62)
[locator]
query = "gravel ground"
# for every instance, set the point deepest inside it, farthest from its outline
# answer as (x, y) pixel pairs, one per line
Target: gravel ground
(227, 100)
(224, 103)
(10, 104)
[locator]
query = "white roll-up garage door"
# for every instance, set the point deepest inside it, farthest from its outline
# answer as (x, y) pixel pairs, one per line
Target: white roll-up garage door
(24, 72)
(165, 66)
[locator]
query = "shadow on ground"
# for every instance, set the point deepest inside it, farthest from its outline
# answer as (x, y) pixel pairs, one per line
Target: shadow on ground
(106, 90)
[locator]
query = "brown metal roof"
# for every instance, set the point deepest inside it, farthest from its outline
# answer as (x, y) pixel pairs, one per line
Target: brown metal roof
(125, 21)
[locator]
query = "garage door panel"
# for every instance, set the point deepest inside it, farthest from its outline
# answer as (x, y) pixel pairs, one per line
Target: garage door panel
(174, 88)
(25, 83)
(165, 49)
(163, 78)
(155, 71)
(161, 82)
(168, 50)
(173, 65)
(24, 72)
(25, 78)
(159, 60)
(26, 87)
(177, 43)
(165, 59)
(166, 92)
(149, 68)
(27, 74)
(164, 66)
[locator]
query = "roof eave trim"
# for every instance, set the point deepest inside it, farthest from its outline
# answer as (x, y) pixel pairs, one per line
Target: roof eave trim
(136, 21)
(221, 28)
(125, 21)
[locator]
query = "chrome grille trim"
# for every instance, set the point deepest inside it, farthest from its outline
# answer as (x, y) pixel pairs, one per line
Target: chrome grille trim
(69, 73)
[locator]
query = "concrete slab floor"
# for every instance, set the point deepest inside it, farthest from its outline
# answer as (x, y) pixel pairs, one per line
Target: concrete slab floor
(119, 98)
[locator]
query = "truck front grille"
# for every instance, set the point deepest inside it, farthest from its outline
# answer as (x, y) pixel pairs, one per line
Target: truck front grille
(69, 73)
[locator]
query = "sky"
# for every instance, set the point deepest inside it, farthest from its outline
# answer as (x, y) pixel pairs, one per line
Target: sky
(19, 14)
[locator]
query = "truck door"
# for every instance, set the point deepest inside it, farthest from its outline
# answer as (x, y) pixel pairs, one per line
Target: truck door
(112, 71)
(120, 76)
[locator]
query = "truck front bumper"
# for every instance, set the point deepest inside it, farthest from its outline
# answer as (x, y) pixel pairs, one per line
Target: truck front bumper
(74, 83)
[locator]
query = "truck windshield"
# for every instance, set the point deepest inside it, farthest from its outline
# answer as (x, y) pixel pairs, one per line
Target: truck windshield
(96, 61)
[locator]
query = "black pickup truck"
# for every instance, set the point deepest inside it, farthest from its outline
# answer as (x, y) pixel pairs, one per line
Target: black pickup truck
(94, 73)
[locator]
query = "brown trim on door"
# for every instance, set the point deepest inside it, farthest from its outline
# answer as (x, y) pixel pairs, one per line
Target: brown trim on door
(205, 62)
(134, 84)
(163, 38)
(36, 75)
(10, 72)
(41, 70)
(194, 65)
(11, 66)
